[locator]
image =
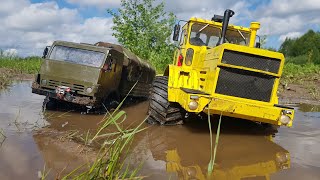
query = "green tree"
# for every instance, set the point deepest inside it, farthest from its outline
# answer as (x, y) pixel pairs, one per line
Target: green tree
(302, 50)
(144, 28)
(286, 46)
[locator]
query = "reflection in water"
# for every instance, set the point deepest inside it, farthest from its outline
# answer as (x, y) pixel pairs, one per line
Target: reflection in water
(309, 108)
(240, 155)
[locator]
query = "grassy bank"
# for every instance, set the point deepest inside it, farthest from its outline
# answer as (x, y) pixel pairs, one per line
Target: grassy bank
(5, 77)
(306, 75)
(12, 66)
(28, 65)
(294, 73)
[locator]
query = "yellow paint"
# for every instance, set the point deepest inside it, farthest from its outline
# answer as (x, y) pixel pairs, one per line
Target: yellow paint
(255, 26)
(203, 73)
(237, 172)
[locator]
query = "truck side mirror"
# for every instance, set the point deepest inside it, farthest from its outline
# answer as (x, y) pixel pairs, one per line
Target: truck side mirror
(176, 32)
(258, 45)
(45, 52)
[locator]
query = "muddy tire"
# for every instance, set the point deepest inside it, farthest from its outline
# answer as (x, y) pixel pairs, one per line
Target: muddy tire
(270, 128)
(161, 111)
(111, 102)
(49, 104)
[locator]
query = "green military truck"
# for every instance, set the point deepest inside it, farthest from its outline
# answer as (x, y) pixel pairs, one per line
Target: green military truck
(92, 75)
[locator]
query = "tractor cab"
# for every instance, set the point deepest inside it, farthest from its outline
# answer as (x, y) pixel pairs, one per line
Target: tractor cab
(201, 34)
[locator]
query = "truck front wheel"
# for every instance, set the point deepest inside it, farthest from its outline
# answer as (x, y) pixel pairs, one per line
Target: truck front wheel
(161, 111)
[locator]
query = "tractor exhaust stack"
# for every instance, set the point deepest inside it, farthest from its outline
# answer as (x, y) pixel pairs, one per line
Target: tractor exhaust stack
(227, 15)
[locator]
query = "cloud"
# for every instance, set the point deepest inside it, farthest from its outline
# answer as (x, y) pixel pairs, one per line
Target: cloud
(10, 52)
(285, 8)
(97, 3)
(206, 8)
(290, 35)
(37, 25)
(29, 27)
(9, 6)
(281, 17)
(38, 16)
(90, 31)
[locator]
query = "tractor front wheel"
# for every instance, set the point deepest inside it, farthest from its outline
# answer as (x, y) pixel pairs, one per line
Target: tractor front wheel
(161, 111)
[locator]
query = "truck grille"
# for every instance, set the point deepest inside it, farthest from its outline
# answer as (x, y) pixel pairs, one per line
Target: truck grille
(74, 87)
(245, 84)
(251, 61)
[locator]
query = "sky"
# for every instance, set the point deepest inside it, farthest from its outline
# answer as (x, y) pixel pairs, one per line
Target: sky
(27, 26)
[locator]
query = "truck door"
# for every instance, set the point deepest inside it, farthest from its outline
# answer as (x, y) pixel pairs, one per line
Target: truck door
(111, 73)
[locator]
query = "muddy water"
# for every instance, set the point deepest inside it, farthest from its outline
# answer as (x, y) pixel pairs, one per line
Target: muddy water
(19, 113)
(245, 151)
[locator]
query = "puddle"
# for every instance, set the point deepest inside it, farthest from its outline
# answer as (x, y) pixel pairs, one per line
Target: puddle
(309, 108)
(245, 150)
(19, 155)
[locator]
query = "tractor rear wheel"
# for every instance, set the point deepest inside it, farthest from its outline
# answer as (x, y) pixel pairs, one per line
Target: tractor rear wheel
(161, 111)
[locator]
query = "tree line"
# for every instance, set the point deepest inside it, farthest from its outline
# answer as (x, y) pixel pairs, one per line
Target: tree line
(302, 50)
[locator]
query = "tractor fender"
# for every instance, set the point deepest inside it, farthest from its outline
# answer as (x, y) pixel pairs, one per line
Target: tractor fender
(166, 71)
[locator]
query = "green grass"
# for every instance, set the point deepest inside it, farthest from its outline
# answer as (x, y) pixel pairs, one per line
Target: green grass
(307, 75)
(5, 77)
(296, 73)
(13, 65)
(28, 65)
(110, 163)
(114, 148)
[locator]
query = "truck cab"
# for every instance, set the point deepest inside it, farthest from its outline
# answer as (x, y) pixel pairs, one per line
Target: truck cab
(87, 74)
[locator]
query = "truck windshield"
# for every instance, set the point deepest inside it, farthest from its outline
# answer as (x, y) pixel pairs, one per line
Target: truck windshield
(78, 56)
(204, 35)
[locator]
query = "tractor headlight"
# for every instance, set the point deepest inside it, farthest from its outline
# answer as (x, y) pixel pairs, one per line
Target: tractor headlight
(284, 119)
(89, 90)
(43, 82)
(193, 105)
(282, 157)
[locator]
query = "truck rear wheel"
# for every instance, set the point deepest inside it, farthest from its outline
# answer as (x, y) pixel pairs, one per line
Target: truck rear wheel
(161, 111)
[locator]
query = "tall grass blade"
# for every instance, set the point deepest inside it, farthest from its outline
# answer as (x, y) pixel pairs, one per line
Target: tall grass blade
(210, 165)
(2, 137)
(213, 159)
(217, 140)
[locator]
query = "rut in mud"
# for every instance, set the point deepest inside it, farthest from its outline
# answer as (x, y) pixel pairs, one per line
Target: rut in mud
(246, 151)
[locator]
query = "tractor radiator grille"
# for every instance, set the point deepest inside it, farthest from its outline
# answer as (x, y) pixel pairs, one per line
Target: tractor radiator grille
(251, 61)
(245, 84)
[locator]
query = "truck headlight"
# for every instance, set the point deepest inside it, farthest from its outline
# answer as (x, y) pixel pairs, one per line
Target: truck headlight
(43, 82)
(89, 90)
(193, 105)
(284, 119)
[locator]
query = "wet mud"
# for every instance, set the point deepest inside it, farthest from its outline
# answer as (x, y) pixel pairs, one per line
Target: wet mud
(245, 151)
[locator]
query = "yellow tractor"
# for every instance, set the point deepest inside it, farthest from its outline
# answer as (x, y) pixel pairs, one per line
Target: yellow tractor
(219, 68)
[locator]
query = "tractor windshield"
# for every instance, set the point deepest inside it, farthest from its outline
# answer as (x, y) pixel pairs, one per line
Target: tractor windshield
(237, 37)
(204, 35)
(78, 56)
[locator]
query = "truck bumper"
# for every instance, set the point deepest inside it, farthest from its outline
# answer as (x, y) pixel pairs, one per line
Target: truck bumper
(87, 101)
(253, 112)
